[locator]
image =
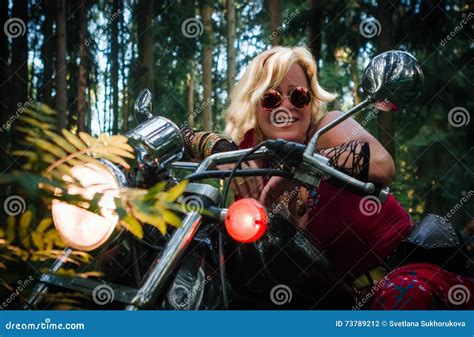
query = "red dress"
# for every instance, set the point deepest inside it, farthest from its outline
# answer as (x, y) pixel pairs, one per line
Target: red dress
(358, 233)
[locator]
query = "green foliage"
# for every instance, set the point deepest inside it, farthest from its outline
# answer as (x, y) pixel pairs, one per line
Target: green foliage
(48, 174)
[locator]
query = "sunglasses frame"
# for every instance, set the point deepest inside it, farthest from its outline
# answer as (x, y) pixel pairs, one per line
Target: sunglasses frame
(282, 97)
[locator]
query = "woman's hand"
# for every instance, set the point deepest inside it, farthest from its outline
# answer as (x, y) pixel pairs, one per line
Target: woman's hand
(276, 188)
(276, 195)
(287, 195)
(248, 187)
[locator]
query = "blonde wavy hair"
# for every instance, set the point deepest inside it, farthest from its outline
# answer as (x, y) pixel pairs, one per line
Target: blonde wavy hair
(266, 71)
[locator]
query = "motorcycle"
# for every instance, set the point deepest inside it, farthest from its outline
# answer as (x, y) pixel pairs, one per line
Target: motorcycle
(234, 257)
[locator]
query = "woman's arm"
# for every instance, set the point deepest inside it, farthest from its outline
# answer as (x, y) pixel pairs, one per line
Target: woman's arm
(351, 136)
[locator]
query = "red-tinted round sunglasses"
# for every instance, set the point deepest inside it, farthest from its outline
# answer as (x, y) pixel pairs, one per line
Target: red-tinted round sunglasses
(300, 97)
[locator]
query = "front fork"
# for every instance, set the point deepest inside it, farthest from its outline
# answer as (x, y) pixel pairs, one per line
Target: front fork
(155, 280)
(42, 288)
(151, 287)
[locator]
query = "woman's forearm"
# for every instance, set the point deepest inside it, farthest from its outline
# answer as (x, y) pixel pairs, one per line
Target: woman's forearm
(359, 160)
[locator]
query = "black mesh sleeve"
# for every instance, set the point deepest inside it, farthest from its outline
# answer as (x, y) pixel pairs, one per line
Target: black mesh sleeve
(352, 158)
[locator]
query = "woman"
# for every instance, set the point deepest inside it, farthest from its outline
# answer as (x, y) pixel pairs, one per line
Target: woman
(279, 97)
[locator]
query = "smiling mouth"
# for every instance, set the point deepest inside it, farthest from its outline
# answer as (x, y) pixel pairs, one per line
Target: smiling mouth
(282, 117)
(286, 121)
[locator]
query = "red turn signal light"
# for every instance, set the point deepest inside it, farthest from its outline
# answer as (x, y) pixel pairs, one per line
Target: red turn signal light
(246, 220)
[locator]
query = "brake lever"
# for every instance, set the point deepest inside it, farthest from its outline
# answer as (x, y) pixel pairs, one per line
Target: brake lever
(314, 168)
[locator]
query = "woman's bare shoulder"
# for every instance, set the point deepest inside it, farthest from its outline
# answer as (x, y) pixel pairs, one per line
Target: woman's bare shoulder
(328, 117)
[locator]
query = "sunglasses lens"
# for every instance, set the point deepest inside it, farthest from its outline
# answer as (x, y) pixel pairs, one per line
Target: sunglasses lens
(271, 100)
(300, 97)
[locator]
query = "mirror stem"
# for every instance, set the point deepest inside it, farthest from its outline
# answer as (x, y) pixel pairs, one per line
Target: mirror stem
(310, 148)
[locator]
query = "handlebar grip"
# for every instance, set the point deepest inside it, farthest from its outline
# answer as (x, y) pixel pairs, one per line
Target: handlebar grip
(379, 192)
(290, 153)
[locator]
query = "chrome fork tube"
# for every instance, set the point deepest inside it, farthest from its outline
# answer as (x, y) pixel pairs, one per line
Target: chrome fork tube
(164, 264)
(40, 289)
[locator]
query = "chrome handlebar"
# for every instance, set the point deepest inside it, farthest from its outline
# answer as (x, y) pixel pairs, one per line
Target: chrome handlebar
(312, 169)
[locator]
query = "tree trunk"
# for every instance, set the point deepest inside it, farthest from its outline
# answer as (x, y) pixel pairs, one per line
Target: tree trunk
(355, 79)
(123, 47)
(19, 76)
(47, 53)
(206, 14)
(384, 41)
(315, 29)
(61, 82)
(274, 9)
(4, 83)
(191, 96)
(230, 45)
(145, 43)
(115, 68)
(82, 106)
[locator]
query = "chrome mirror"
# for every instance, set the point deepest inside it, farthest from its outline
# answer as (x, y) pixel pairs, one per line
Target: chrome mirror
(392, 80)
(143, 106)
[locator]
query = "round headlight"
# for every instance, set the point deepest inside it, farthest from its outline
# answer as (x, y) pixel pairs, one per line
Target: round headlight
(80, 228)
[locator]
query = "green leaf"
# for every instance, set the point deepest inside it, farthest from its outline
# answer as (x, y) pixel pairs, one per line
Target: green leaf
(88, 139)
(30, 131)
(47, 146)
(153, 191)
(28, 154)
(151, 219)
(175, 192)
(119, 152)
(41, 117)
(34, 122)
(44, 225)
(60, 141)
(10, 235)
(74, 140)
(170, 217)
(24, 227)
(104, 153)
(133, 226)
(37, 239)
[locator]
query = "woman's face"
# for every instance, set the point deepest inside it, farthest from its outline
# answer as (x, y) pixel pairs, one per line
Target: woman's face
(286, 121)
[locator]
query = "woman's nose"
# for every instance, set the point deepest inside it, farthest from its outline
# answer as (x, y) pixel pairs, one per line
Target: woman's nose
(286, 103)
